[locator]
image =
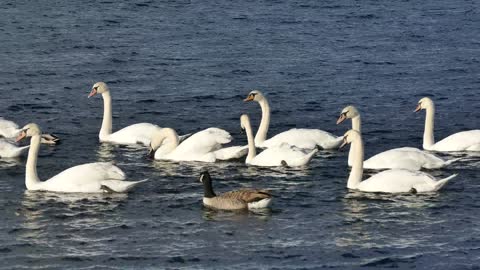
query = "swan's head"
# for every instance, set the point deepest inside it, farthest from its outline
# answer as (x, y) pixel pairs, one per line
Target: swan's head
(350, 136)
(348, 112)
(244, 121)
(161, 137)
(424, 103)
(29, 131)
(98, 88)
(255, 95)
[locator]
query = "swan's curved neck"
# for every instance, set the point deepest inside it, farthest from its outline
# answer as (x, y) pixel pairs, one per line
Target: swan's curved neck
(31, 176)
(357, 166)
(261, 135)
(252, 151)
(428, 139)
(107, 116)
(356, 125)
(169, 141)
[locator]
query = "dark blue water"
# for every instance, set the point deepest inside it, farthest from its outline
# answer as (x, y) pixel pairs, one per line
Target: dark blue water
(188, 65)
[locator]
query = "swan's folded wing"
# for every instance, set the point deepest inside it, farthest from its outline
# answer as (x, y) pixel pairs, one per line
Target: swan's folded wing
(460, 141)
(398, 180)
(140, 133)
(232, 152)
(8, 128)
(90, 172)
(291, 155)
(204, 141)
(305, 138)
(9, 150)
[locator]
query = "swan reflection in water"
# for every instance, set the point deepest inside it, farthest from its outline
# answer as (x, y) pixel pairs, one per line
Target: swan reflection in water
(106, 151)
(366, 218)
(45, 215)
(10, 162)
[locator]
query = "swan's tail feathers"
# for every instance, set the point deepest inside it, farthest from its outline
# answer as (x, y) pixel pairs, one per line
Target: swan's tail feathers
(50, 139)
(448, 162)
(184, 137)
(220, 135)
(119, 186)
(309, 156)
(440, 183)
(333, 145)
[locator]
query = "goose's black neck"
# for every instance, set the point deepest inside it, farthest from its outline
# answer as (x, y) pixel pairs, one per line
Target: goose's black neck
(207, 186)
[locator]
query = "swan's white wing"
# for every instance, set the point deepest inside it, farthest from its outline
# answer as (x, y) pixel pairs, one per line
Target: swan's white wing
(461, 141)
(203, 142)
(289, 154)
(135, 134)
(232, 152)
(9, 150)
(304, 138)
(404, 158)
(8, 129)
(397, 181)
(84, 178)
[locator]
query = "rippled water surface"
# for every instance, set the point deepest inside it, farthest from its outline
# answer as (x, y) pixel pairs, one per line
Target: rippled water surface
(188, 65)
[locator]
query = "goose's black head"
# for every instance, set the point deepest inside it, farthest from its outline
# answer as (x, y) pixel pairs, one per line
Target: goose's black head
(207, 185)
(205, 177)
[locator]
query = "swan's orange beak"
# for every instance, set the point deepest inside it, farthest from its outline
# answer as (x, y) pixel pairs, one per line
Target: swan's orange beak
(344, 142)
(93, 93)
(419, 107)
(249, 98)
(341, 118)
(20, 136)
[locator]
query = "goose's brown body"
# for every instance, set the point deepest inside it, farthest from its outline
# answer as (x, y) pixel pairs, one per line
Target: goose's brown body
(233, 200)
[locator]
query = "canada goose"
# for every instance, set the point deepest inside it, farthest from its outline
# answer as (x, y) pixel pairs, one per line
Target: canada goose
(233, 200)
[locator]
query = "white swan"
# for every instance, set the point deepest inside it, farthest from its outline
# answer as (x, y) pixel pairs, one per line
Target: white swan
(10, 131)
(281, 155)
(390, 181)
(398, 158)
(461, 141)
(135, 134)
(9, 150)
(201, 146)
(88, 178)
(301, 138)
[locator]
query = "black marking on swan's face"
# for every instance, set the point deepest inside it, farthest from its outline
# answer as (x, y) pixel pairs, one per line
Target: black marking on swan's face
(151, 153)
